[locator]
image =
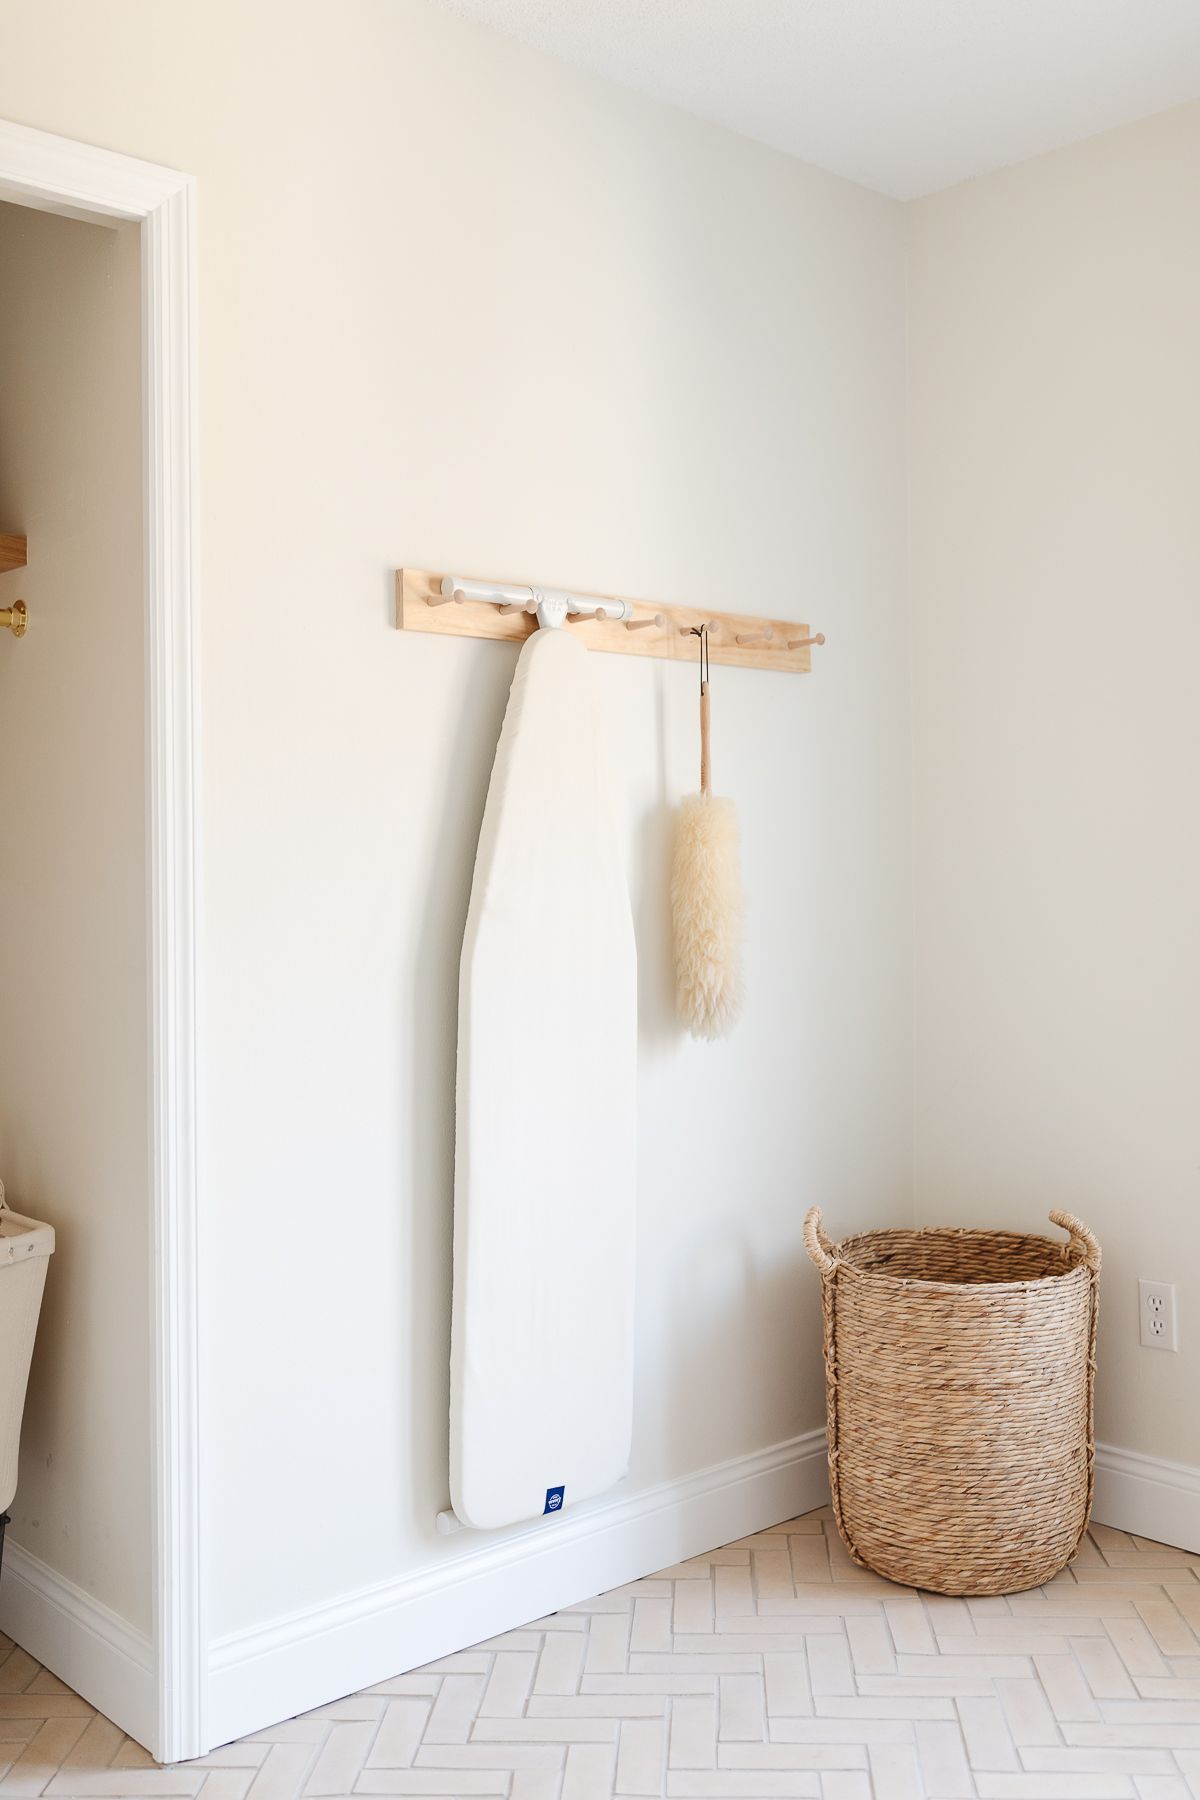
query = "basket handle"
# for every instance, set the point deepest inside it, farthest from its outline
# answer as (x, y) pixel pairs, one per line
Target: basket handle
(1083, 1241)
(816, 1243)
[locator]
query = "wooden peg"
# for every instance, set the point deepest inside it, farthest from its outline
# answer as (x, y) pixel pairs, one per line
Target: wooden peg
(659, 620)
(444, 599)
(712, 626)
(755, 637)
(512, 606)
(803, 643)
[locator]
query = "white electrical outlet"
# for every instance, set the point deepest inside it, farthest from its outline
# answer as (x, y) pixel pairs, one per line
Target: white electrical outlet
(1156, 1313)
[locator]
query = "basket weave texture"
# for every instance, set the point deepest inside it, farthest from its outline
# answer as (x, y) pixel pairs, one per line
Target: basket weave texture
(959, 1376)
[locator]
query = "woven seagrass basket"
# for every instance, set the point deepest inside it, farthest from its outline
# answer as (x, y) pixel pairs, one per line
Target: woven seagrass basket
(959, 1371)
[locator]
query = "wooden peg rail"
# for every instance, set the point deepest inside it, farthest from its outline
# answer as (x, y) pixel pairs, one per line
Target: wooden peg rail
(14, 552)
(742, 639)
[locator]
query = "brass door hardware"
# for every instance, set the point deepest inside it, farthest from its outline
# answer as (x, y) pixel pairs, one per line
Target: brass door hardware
(15, 618)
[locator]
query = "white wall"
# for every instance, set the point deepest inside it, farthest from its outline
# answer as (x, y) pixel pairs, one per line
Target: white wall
(1055, 543)
(462, 307)
(73, 1069)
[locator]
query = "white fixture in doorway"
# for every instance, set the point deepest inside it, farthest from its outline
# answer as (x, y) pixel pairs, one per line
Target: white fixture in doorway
(58, 175)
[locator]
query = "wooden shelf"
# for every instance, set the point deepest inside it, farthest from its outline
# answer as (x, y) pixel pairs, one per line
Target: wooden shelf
(14, 552)
(672, 639)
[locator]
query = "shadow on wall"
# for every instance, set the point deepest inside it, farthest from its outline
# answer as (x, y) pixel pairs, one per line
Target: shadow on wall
(658, 1023)
(429, 1012)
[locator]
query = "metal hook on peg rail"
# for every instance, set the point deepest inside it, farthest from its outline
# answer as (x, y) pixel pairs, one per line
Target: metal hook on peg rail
(755, 637)
(504, 596)
(582, 611)
(803, 643)
(659, 620)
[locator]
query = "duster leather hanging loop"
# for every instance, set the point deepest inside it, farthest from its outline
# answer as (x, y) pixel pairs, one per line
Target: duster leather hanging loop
(705, 715)
(706, 894)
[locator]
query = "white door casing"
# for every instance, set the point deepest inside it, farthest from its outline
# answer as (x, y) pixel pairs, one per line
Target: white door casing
(56, 174)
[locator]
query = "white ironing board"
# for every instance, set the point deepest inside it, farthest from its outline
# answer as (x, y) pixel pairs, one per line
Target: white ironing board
(541, 1391)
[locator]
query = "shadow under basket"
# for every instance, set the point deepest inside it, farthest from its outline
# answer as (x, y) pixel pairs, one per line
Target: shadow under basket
(959, 1376)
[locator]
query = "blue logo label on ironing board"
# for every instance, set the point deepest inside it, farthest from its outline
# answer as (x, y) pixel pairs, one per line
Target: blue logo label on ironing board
(554, 1499)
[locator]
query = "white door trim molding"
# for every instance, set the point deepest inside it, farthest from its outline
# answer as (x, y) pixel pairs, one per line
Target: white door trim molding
(58, 175)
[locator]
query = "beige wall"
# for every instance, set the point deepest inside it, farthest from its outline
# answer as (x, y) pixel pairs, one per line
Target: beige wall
(1055, 543)
(73, 1074)
(463, 307)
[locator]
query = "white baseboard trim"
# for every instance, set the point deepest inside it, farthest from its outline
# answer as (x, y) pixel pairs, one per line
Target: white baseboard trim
(260, 1676)
(83, 1642)
(1148, 1496)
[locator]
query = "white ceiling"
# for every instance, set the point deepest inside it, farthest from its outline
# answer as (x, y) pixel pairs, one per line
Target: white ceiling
(906, 96)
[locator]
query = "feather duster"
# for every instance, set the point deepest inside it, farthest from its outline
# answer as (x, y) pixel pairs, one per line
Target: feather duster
(706, 906)
(706, 900)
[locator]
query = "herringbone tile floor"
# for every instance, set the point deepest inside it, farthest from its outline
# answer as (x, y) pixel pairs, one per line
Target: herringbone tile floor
(770, 1667)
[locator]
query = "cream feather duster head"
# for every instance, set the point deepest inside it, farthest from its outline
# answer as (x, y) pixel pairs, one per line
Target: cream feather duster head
(706, 908)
